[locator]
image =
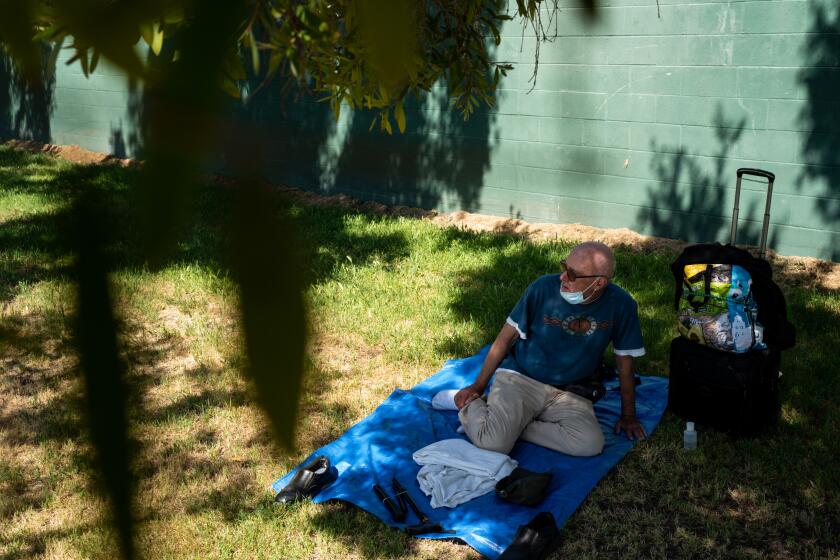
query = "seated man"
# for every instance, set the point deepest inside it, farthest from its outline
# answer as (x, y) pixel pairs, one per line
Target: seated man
(556, 335)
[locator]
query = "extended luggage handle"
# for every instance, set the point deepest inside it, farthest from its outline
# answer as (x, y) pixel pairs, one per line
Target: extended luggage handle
(762, 248)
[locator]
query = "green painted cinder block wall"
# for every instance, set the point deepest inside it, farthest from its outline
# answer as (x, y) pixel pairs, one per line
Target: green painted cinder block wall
(100, 112)
(638, 121)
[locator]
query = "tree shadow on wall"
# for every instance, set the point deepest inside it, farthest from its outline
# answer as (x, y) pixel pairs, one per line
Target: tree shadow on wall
(439, 162)
(127, 139)
(820, 116)
(690, 201)
(293, 126)
(25, 108)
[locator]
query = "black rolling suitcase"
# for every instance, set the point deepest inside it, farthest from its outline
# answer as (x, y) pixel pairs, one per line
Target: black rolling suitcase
(736, 390)
(737, 393)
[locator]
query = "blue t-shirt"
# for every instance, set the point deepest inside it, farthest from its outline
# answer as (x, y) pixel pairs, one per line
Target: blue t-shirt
(561, 343)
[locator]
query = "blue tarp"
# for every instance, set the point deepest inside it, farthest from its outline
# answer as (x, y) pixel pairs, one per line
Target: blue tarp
(380, 447)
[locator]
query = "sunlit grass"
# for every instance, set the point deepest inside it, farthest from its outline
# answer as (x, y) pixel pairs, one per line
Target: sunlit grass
(389, 299)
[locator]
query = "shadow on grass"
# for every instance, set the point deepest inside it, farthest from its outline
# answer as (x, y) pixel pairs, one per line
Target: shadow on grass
(40, 237)
(804, 444)
(729, 499)
(196, 404)
(768, 496)
(34, 543)
(358, 530)
(37, 241)
(29, 368)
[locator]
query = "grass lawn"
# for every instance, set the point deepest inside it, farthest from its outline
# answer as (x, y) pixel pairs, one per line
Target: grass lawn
(390, 299)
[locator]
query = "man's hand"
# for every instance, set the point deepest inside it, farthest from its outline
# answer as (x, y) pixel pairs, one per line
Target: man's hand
(629, 424)
(467, 395)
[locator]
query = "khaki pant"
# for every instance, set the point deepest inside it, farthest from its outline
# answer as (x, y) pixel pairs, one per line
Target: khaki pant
(519, 406)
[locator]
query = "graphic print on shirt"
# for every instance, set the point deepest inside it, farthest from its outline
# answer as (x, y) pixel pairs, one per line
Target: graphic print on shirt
(577, 325)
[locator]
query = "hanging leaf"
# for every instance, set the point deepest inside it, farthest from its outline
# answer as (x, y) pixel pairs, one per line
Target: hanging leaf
(83, 60)
(399, 115)
(383, 94)
(94, 60)
(386, 123)
(255, 54)
(147, 31)
(157, 38)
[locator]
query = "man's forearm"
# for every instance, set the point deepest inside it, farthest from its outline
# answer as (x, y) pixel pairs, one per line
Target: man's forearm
(628, 385)
(491, 362)
(497, 353)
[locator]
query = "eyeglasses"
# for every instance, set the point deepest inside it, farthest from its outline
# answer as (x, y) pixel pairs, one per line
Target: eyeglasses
(572, 275)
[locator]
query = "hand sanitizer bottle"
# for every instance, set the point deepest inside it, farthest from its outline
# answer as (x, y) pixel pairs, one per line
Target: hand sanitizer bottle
(689, 436)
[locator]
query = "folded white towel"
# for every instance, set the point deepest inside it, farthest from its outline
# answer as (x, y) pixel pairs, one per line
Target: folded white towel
(445, 400)
(455, 471)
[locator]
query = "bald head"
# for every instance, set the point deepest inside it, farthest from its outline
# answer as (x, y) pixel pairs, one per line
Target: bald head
(594, 258)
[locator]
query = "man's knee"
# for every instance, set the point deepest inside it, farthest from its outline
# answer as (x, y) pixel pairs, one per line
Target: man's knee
(483, 437)
(485, 430)
(483, 441)
(589, 446)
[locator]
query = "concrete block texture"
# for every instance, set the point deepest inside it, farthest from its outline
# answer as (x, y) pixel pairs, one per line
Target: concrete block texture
(638, 120)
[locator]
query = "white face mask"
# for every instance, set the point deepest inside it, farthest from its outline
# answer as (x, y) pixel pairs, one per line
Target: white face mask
(576, 298)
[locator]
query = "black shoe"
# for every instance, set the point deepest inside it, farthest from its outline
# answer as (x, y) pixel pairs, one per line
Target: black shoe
(535, 540)
(523, 487)
(308, 481)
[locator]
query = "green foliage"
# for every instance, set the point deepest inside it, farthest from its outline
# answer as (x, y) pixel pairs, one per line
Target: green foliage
(367, 54)
(364, 53)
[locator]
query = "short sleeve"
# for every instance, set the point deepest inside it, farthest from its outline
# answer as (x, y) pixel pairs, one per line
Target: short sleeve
(627, 337)
(520, 317)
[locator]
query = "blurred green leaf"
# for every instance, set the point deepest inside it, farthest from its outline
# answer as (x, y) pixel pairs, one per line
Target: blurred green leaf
(83, 60)
(157, 38)
(367, 53)
(255, 54)
(399, 115)
(389, 36)
(147, 31)
(94, 61)
(95, 336)
(184, 117)
(16, 31)
(269, 274)
(386, 122)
